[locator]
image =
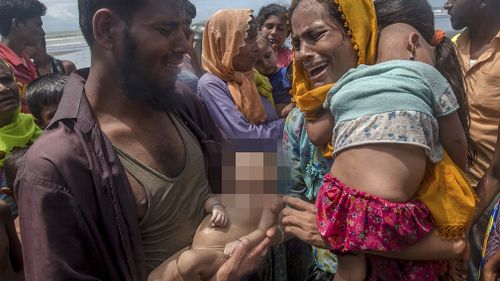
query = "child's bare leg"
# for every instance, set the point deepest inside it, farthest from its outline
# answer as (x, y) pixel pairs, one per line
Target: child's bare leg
(351, 268)
(199, 264)
(429, 248)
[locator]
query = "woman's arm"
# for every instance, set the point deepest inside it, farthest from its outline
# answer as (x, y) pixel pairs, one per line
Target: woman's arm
(228, 119)
(452, 137)
(320, 130)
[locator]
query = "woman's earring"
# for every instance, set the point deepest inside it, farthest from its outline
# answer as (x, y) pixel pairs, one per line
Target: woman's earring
(412, 55)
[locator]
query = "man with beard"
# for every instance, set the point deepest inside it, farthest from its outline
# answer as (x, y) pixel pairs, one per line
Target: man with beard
(116, 185)
(479, 49)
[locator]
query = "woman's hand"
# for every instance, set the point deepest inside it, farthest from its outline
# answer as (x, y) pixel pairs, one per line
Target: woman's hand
(299, 219)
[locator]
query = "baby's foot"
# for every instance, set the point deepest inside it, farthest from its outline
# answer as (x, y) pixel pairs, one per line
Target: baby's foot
(230, 247)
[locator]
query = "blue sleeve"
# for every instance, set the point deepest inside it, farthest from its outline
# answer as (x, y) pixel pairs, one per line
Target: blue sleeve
(291, 149)
(228, 119)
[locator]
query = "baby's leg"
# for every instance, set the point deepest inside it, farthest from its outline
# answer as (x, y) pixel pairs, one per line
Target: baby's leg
(199, 264)
(351, 268)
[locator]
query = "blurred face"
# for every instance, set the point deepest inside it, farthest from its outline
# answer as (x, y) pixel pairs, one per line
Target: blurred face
(275, 30)
(321, 47)
(46, 115)
(267, 63)
(9, 92)
(460, 12)
(31, 31)
(152, 48)
(247, 56)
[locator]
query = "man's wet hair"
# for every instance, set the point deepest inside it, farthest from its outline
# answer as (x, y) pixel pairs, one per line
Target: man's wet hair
(12, 163)
(21, 10)
(45, 91)
(190, 9)
(124, 8)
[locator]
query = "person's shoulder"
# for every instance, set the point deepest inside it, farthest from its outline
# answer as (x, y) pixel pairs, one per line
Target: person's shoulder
(209, 78)
(53, 152)
(210, 85)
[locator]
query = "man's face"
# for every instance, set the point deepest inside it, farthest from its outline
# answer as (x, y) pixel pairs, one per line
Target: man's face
(461, 12)
(31, 31)
(153, 46)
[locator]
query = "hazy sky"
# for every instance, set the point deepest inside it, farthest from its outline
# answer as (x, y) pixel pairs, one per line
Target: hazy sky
(62, 15)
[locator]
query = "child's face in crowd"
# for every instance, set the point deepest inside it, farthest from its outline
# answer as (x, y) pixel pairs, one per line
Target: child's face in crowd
(9, 91)
(46, 115)
(275, 30)
(267, 63)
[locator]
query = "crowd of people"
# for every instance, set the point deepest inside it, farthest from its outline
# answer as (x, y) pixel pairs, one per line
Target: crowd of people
(367, 149)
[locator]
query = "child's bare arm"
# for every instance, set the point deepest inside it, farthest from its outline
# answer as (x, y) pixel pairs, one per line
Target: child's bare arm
(452, 137)
(218, 211)
(267, 219)
(320, 130)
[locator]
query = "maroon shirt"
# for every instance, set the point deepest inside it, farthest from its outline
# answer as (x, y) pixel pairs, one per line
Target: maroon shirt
(76, 207)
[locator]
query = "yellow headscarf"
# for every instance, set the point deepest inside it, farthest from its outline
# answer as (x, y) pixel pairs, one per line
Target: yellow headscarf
(224, 35)
(361, 23)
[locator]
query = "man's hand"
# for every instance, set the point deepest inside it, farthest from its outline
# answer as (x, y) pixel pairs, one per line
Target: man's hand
(299, 219)
(244, 259)
(219, 216)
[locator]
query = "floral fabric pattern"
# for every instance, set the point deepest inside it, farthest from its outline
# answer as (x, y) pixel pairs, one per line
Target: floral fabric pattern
(398, 127)
(352, 221)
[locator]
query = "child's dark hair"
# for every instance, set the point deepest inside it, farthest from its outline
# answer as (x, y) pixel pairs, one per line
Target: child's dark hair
(44, 91)
(190, 9)
(271, 10)
(12, 163)
(419, 14)
(21, 10)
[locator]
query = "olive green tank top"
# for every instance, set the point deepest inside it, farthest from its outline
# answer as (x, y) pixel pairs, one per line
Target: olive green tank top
(175, 206)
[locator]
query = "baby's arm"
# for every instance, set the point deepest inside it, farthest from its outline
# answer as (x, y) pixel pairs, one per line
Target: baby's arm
(219, 215)
(267, 220)
(452, 137)
(320, 130)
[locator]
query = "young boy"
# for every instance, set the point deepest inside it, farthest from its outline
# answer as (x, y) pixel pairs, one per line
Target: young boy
(11, 259)
(267, 66)
(43, 97)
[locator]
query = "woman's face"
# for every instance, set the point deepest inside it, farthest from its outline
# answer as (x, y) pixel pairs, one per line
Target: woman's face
(321, 46)
(275, 30)
(247, 56)
(9, 91)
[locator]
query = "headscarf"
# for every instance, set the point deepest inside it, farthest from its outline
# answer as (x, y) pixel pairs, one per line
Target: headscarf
(224, 35)
(264, 87)
(20, 133)
(360, 21)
